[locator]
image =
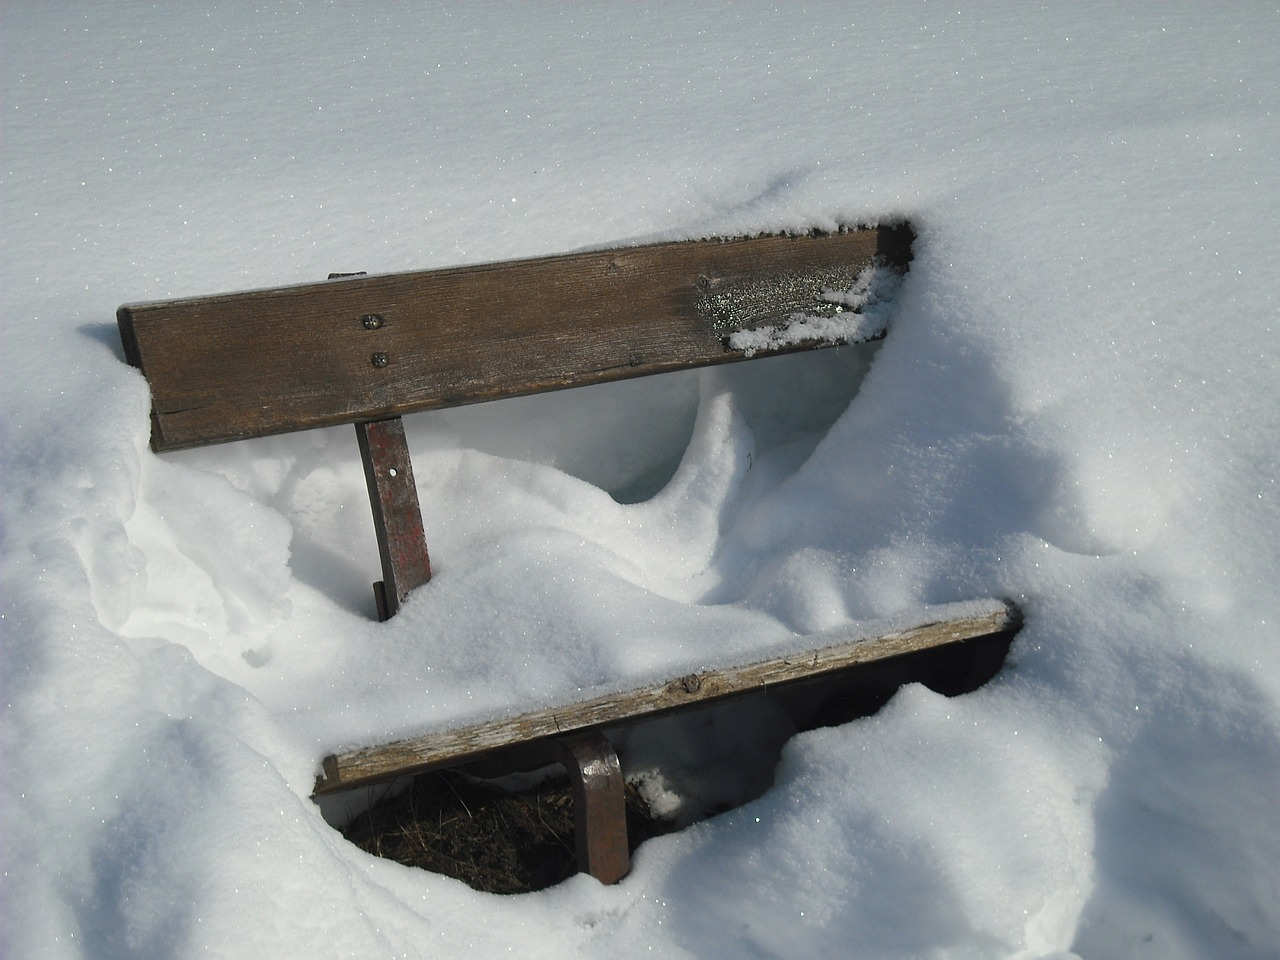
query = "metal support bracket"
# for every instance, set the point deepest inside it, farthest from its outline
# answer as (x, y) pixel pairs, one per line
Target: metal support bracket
(397, 518)
(599, 805)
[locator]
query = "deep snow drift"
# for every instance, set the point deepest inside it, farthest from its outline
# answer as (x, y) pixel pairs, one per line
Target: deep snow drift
(1077, 407)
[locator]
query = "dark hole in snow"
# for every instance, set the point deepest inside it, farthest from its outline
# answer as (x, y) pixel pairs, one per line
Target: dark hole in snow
(515, 835)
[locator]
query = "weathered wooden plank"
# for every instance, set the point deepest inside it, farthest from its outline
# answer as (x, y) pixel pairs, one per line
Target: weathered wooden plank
(372, 347)
(451, 747)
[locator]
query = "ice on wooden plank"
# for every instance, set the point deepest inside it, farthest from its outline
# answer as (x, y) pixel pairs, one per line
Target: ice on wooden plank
(849, 315)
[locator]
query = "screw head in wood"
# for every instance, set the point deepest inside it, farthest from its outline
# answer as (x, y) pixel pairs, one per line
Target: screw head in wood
(379, 360)
(372, 321)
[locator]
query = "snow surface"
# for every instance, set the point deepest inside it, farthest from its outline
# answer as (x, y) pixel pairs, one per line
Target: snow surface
(1077, 406)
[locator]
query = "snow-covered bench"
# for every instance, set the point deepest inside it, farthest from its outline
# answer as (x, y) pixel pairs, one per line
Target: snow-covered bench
(366, 350)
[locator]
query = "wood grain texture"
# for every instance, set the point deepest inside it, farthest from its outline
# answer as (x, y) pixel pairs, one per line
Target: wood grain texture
(371, 347)
(451, 747)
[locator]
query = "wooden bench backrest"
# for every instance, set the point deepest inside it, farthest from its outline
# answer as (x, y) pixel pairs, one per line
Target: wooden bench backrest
(360, 349)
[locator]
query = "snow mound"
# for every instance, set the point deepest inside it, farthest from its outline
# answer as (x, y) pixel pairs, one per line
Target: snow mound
(1077, 408)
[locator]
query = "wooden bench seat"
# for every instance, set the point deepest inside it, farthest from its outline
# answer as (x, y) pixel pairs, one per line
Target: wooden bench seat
(813, 656)
(367, 350)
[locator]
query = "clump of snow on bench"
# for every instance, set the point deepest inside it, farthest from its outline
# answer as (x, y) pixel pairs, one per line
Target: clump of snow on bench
(860, 312)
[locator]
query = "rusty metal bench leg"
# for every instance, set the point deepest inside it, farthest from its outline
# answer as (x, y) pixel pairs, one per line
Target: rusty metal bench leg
(397, 518)
(599, 808)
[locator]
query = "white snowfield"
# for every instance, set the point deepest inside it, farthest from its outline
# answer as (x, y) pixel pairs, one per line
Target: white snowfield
(1077, 407)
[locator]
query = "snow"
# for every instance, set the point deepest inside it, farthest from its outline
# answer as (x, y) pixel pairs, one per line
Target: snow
(1077, 407)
